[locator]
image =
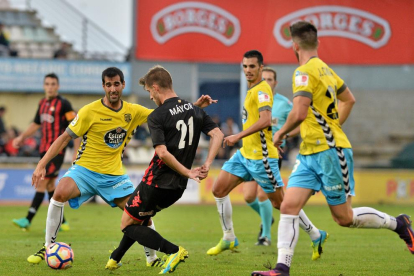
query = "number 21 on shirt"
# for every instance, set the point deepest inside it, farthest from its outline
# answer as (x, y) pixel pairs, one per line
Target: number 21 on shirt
(181, 126)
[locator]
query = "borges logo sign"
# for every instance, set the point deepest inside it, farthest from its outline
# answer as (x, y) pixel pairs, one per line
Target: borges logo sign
(195, 17)
(337, 21)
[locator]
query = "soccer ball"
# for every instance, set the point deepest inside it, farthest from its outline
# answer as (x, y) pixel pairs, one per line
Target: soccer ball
(59, 255)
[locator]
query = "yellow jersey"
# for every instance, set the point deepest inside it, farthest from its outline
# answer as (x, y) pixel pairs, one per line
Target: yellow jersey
(105, 133)
(258, 98)
(321, 129)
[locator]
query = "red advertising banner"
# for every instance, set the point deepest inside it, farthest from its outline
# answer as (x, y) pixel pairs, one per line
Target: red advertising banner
(350, 32)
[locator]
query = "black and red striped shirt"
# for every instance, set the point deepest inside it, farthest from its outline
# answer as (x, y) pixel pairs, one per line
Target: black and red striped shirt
(177, 124)
(54, 115)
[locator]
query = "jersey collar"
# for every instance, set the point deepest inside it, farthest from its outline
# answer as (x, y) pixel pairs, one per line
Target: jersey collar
(116, 110)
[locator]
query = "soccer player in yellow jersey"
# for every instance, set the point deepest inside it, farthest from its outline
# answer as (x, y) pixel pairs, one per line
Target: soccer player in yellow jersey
(256, 160)
(325, 161)
(106, 126)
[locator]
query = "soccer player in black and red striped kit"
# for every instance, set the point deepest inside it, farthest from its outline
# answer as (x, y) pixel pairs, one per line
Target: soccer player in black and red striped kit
(53, 116)
(175, 128)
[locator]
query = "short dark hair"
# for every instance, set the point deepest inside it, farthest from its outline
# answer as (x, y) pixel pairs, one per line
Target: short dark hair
(158, 75)
(268, 69)
(53, 76)
(305, 34)
(111, 72)
(254, 54)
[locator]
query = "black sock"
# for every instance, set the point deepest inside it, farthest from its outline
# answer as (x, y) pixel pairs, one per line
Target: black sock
(123, 247)
(37, 201)
(50, 197)
(149, 238)
(282, 267)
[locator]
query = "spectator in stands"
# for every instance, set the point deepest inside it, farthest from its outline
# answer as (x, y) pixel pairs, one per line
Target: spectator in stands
(4, 42)
(12, 133)
(62, 52)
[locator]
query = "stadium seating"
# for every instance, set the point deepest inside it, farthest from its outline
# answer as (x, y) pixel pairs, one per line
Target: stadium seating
(28, 36)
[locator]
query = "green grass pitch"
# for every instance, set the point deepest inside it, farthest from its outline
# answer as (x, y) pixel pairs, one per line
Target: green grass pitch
(95, 230)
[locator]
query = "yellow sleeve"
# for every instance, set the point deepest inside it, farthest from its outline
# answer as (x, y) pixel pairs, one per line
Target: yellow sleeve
(264, 98)
(81, 124)
(340, 84)
(302, 84)
(141, 114)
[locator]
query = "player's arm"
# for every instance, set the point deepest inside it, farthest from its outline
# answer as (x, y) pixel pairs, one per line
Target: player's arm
(346, 102)
(172, 162)
(296, 117)
(265, 120)
(18, 141)
(58, 145)
(216, 138)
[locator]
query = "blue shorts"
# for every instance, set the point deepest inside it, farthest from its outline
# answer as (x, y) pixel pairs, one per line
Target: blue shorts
(249, 169)
(322, 172)
(90, 183)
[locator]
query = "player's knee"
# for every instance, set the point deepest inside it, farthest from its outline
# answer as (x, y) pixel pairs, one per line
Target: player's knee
(344, 221)
(249, 198)
(219, 191)
(276, 204)
(60, 196)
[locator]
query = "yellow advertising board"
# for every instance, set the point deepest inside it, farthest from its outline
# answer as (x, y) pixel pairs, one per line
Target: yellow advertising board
(371, 187)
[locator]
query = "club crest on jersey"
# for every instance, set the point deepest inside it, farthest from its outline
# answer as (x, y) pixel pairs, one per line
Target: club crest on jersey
(301, 78)
(263, 97)
(127, 117)
(115, 137)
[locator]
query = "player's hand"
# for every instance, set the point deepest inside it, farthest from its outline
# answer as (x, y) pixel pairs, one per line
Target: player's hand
(204, 101)
(277, 139)
(194, 174)
(204, 171)
(17, 142)
(230, 140)
(38, 175)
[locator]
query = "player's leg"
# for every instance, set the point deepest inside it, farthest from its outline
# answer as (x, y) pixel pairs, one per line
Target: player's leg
(65, 191)
(231, 175)
(24, 223)
(266, 215)
(51, 190)
(250, 195)
(365, 217)
(141, 206)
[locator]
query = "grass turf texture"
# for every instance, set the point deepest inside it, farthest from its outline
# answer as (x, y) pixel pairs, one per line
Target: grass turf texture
(95, 230)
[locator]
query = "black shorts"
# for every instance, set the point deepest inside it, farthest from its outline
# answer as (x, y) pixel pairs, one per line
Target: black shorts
(280, 162)
(53, 167)
(147, 200)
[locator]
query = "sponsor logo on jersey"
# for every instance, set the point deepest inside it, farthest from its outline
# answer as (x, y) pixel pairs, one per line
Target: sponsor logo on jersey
(244, 115)
(195, 17)
(301, 78)
(263, 97)
(105, 119)
(127, 117)
(45, 117)
(337, 21)
(115, 137)
(74, 121)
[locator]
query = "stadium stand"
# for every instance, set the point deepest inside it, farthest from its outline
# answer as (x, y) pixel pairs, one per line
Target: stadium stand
(28, 36)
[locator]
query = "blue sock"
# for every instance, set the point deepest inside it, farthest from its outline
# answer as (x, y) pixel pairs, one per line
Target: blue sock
(266, 213)
(255, 205)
